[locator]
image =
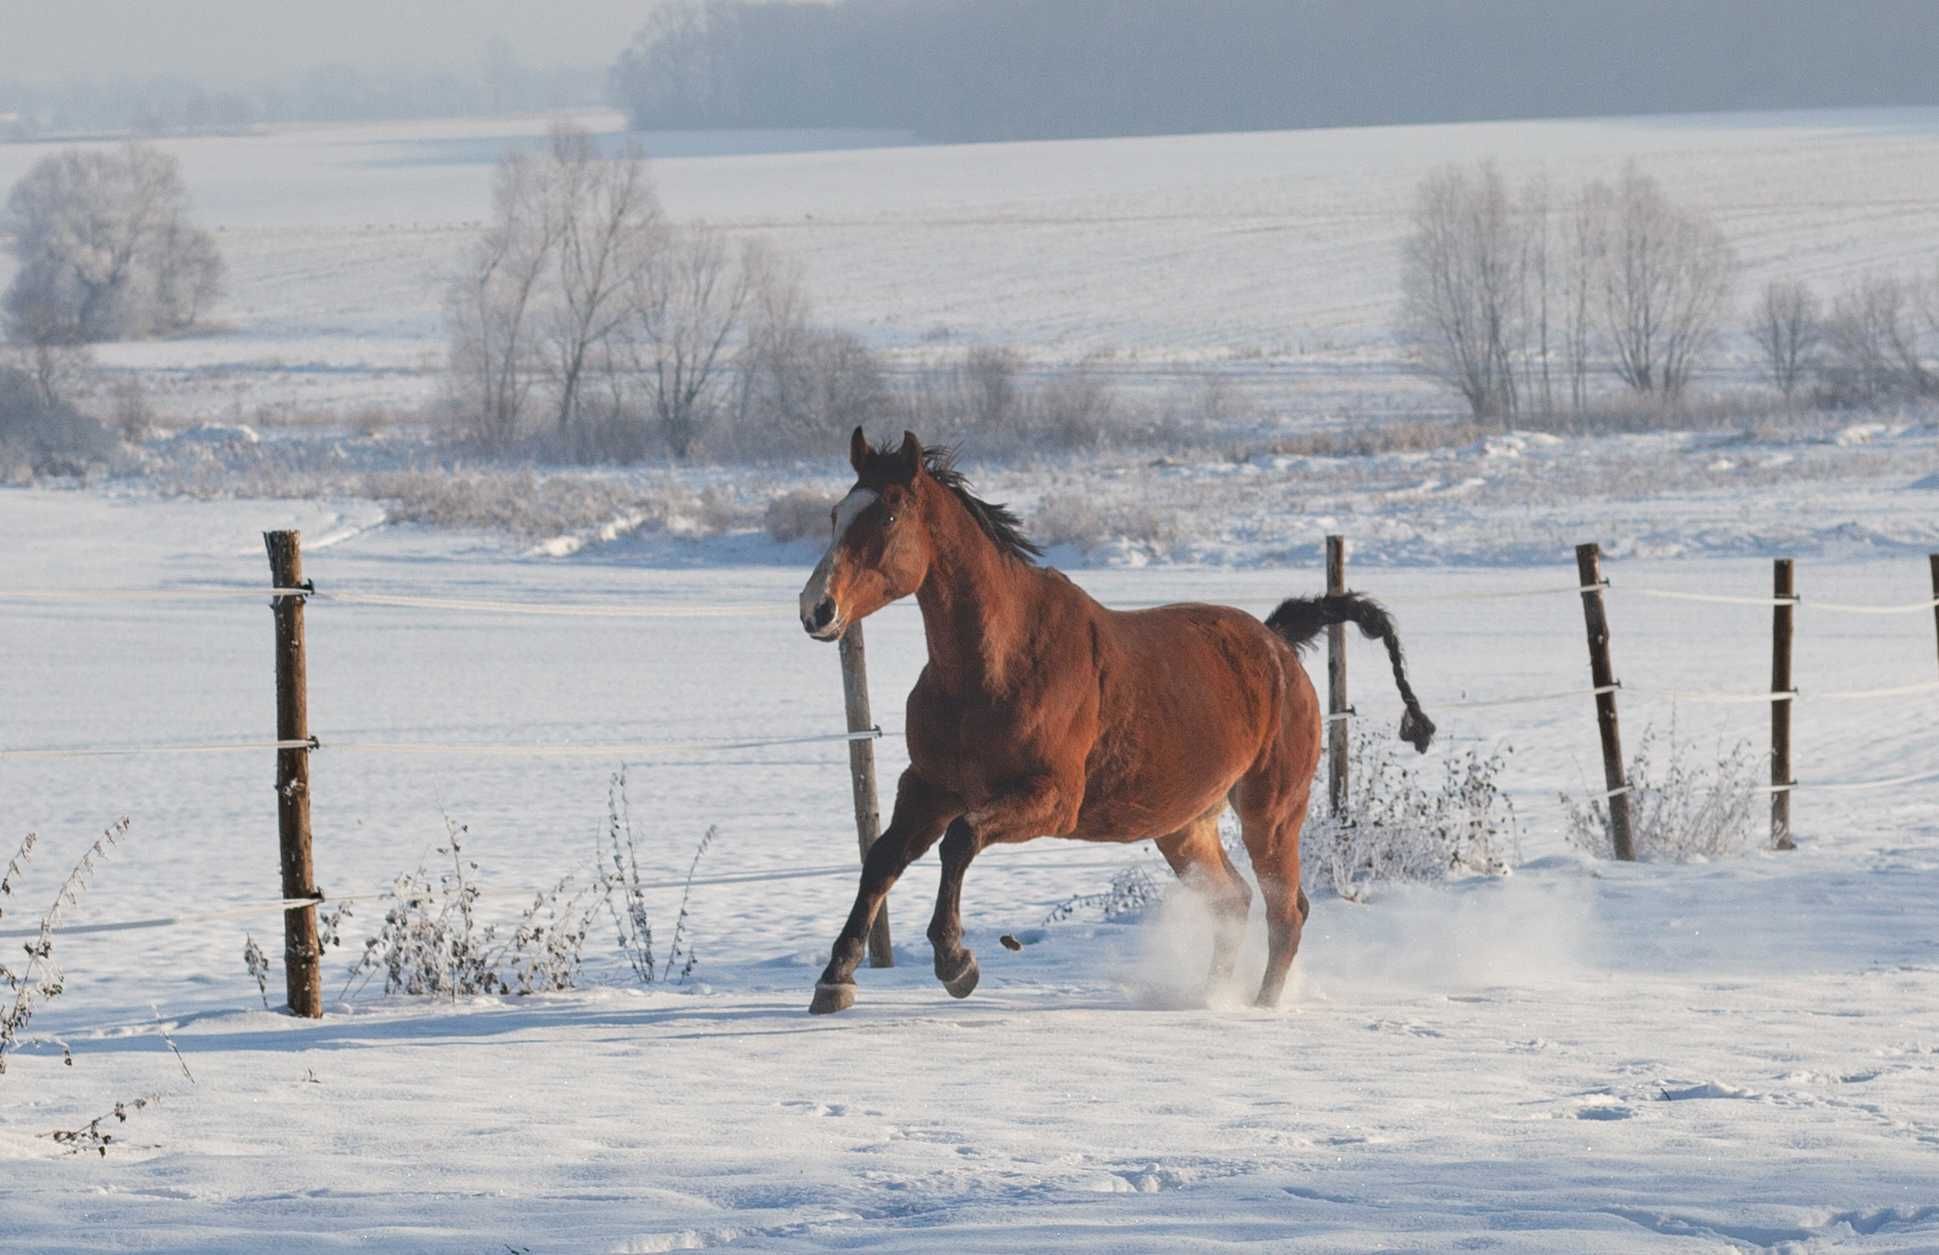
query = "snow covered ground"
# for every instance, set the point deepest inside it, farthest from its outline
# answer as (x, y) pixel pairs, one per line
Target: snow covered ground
(1270, 257)
(1579, 1056)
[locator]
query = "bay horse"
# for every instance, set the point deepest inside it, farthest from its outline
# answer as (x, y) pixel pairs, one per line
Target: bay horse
(1042, 713)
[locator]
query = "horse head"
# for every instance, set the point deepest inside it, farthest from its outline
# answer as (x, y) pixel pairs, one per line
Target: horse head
(880, 547)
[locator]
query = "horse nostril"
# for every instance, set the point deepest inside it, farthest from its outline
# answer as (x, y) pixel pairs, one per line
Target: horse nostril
(823, 614)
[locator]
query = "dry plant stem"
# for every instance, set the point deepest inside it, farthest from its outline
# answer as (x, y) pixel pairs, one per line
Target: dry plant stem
(90, 1137)
(257, 962)
(168, 1039)
(15, 867)
(42, 979)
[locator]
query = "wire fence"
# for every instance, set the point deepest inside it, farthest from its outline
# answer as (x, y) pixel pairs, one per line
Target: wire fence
(619, 751)
(501, 606)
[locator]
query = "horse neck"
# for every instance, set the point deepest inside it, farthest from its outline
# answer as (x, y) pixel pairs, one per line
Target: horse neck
(974, 602)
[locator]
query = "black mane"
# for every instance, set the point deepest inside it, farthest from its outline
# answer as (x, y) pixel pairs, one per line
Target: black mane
(996, 519)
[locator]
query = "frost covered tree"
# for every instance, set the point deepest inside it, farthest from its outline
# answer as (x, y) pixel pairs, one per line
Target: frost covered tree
(490, 306)
(532, 313)
(105, 249)
(1583, 238)
(1538, 291)
(688, 309)
(1462, 296)
(798, 384)
(610, 233)
(1874, 345)
(1665, 282)
(1786, 326)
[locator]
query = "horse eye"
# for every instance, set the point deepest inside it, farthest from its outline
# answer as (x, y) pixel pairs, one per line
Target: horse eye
(891, 522)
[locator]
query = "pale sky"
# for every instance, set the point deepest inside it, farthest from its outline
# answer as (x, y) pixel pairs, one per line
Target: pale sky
(247, 40)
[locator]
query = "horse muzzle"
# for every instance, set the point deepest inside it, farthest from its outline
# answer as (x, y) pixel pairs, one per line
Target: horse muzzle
(823, 620)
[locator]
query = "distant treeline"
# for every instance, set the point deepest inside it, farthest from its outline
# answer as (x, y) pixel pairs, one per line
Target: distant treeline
(1011, 69)
(173, 105)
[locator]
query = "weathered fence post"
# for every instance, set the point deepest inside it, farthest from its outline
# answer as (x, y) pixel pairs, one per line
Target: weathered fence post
(1784, 588)
(861, 770)
(1933, 558)
(1336, 680)
(302, 953)
(1588, 565)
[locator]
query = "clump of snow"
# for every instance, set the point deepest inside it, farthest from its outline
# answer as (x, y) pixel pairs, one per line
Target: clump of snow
(216, 435)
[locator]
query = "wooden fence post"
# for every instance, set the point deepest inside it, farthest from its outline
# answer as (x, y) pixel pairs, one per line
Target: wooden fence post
(302, 953)
(1784, 588)
(1588, 565)
(1934, 560)
(861, 770)
(1336, 680)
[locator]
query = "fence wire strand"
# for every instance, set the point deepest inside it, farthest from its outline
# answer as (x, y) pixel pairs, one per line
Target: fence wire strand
(1845, 607)
(1529, 698)
(1722, 599)
(485, 605)
(1714, 697)
(188, 593)
(267, 906)
(484, 749)
(1509, 594)
(129, 751)
(538, 609)
(614, 750)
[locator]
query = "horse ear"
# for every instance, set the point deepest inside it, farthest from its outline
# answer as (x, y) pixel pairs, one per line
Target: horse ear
(910, 454)
(858, 450)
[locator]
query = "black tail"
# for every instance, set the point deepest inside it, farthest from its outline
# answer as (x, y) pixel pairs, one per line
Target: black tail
(1300, 619)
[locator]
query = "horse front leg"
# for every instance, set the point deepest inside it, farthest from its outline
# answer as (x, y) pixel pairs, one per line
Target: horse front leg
(1037, 807)
(921, 813)
(955, 966)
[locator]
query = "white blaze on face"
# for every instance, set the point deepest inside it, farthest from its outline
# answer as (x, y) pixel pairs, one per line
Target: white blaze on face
(846, 513)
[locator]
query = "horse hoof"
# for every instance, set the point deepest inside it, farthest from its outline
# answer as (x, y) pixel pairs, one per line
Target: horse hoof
(832, 998)
(963, 983)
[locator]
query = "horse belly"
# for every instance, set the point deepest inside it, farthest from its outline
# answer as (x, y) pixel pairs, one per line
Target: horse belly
(1169, 759)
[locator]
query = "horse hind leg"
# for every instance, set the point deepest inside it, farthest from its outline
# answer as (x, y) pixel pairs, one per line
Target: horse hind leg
(1031, 807)
(1272, 842)
(1198, 858)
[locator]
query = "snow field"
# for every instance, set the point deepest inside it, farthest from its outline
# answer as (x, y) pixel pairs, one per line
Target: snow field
(1268, 256)
(1579, 1056)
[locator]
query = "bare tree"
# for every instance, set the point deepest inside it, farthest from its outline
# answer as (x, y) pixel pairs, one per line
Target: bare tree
(189, 274)
(59, 372)
(797, 384)
(1538, 290)
(609, 230)
(1926, 296)
(1872, 345)
(687, 310)
(988, 396)
(1786, 327)
(491, 304)
(105, 249)
(1584, 241)
(1665, 282)
(1462, 286)
(770, 398)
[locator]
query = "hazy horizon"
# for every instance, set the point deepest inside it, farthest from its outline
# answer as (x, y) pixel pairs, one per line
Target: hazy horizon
(947, 70)
(225, 42)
